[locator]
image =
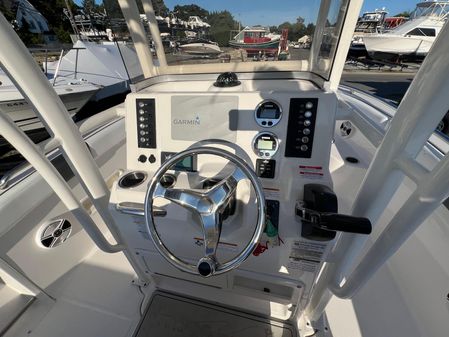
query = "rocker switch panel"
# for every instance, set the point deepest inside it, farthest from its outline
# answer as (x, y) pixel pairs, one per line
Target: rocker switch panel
(146, 123)
(301, 127)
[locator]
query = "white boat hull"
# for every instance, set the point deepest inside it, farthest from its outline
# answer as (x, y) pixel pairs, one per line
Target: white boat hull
(23, 115)
(200, 49)
(398, 44)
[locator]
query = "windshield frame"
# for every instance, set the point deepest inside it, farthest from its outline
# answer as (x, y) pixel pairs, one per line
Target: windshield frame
(321, 69)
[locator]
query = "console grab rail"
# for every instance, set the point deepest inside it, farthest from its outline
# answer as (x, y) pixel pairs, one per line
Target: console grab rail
(410, 129)
(34, 86)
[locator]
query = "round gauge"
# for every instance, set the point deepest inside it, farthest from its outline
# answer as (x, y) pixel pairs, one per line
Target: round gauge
(265, 144)
(268, 113)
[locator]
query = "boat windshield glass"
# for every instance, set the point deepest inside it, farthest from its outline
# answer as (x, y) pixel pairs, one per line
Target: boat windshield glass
(211, 37)
(437, 9)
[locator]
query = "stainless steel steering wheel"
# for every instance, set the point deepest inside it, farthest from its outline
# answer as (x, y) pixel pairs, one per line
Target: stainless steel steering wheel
(208, 204)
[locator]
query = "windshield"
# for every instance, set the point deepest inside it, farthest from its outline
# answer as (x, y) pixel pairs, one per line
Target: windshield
(437, 9)
(210, 36)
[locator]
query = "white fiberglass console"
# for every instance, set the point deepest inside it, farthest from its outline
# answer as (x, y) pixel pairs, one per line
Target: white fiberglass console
(282, 129)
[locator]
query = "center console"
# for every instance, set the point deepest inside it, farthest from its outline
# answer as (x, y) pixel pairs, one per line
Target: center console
(282, 129)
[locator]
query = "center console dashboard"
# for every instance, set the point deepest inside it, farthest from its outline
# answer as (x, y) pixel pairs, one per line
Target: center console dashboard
(283, 129)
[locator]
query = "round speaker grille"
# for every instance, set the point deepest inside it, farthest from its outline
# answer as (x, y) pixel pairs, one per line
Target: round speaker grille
(56, 233)
(346, 129)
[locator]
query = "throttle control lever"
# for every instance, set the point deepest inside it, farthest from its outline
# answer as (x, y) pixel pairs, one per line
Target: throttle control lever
(319, 217)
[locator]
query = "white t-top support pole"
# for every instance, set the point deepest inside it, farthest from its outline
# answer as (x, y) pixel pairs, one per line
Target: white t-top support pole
(155, 34)
(32, 154)
(139, 37)
(420, 111)
(37, 90)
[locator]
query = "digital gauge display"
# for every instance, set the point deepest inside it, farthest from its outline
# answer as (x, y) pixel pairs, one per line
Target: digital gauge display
(268, 113)
(265, 144)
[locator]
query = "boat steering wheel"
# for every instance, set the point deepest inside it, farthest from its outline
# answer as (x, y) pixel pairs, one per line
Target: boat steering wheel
(209, 205)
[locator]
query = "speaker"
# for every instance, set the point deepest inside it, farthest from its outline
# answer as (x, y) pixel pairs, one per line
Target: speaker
(55, 233)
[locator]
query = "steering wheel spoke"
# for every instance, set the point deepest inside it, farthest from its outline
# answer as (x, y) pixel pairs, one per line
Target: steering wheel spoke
(212, 229)
(186, 198)
(238, 175)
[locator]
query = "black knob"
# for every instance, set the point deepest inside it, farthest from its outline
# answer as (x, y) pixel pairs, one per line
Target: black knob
(205, 269)
(152, 159)
(142, 158)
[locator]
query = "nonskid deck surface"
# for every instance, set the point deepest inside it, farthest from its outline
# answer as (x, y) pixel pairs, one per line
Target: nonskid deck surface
(173, 316)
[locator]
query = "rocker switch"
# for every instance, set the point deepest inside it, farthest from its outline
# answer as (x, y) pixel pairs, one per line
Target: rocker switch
(265, 168)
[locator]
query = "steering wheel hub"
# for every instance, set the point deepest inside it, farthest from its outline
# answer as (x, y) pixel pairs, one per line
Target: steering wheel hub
(206, 266)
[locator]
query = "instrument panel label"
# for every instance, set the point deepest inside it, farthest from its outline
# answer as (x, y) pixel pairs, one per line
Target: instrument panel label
(306, 256)
(196, 118)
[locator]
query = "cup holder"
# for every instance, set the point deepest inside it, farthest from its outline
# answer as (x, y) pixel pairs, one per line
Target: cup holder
(168, 180)
(132, 179)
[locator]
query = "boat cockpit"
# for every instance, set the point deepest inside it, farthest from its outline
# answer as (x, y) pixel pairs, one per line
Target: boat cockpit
(242, 198)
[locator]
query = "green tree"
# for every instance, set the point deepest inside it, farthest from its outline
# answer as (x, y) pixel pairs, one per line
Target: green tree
(289, 26)
(53, 12)
(160, 8)
(6, 9)
(221, 24)
(310, 29)
(300, 21)
(405, 14)
(112, 8)
(274, 29)
(298, 29)
(88, 6)
(183, 12)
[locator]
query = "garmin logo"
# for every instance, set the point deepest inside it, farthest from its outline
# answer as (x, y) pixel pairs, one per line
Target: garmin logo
(190, 122)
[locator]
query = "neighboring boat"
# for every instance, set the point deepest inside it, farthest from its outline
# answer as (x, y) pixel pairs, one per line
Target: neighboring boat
(413, 38)
(255, 39)
(371, 22)
(199, 47)
(196, 22)
(368, 23)
(171, 22)
(393, 22)
(107, 64)
(73, 93)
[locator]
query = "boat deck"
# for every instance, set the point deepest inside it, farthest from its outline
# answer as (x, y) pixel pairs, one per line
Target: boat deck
(174, 316)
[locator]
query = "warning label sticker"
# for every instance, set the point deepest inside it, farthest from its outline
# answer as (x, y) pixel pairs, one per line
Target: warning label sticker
(306, 256)
(311, 172)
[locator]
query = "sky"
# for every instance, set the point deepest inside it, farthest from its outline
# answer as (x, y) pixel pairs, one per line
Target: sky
(261, 11)
(392, 6)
